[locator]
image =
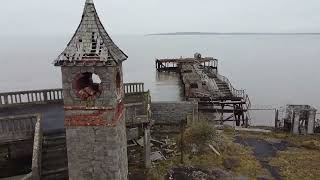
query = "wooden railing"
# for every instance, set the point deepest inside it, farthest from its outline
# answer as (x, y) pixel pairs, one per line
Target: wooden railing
(27, 97)
(16, 128)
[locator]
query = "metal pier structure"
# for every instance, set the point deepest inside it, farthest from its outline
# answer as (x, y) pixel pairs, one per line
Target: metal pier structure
(213, 92)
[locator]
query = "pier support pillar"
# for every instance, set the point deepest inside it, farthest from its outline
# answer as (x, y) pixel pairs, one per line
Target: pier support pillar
(295, 123)
(312, 117)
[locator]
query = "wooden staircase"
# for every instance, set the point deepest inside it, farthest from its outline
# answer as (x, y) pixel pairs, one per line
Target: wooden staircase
(234, 102)
(223, 87)
(54, 156)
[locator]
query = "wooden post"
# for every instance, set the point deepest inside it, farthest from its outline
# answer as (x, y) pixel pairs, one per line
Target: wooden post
(296, 122)
(276, 119)
(311, 121)
(45, 96)
(6, 101)
(147, 148)
(221, 118)
(181, 143)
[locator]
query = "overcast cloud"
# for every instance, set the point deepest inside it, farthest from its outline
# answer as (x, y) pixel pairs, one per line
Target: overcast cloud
(56, 17)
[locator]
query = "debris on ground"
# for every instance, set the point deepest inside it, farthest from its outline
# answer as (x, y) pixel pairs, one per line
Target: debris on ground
(157, 156)
(197, 173)
(214, 150)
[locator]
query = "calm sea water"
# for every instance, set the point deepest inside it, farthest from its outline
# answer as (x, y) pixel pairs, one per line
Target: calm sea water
(274, 70)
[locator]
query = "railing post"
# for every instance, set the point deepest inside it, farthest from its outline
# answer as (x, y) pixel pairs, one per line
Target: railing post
(45, 96)
(6, 101)
(28, 98)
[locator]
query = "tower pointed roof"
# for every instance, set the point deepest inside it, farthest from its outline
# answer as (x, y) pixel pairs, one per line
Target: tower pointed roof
(91, 41)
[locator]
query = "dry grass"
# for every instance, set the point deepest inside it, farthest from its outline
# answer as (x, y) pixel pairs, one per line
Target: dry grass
(298, 163)
(201, 135)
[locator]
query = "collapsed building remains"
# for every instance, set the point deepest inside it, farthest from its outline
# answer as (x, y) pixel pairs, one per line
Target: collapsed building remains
(298, 119)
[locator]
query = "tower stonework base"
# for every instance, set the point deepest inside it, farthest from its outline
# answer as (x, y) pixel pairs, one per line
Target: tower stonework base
(97, 152)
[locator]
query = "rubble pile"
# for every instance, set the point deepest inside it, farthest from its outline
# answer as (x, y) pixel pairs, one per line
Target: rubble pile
(90, 92)
(163, 149)
(85, 87)
(195, 173)
(134, 153)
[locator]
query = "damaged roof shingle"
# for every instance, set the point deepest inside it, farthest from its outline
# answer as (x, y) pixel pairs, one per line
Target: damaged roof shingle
(90, 41)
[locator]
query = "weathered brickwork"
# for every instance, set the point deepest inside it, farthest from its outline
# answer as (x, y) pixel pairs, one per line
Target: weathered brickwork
(93, 117)
(174, 112)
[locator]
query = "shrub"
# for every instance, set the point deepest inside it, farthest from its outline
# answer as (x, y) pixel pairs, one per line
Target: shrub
(200, 135)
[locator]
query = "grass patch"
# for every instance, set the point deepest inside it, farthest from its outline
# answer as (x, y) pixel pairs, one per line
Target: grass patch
(302, 161)
(201, 135)
(298, 163)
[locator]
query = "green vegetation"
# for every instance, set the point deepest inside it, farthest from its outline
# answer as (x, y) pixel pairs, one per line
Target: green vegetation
(199, 136)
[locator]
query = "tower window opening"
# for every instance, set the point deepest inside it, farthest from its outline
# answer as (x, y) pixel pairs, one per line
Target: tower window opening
(194, 86)
(118, 82)
(87, 86)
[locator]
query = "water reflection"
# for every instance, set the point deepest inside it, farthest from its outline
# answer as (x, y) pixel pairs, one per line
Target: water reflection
(167, 87)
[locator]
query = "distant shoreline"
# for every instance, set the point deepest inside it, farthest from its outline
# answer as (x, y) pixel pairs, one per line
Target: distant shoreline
(213, 33)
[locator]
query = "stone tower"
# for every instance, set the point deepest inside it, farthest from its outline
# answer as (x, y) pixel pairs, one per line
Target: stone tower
(93, 92)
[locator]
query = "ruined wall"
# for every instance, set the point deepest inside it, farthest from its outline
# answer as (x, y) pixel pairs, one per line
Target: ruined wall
(132, 111)
(174, 112)
(300, 119)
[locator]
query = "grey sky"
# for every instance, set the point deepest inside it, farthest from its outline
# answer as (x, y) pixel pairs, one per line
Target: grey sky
(57, 17)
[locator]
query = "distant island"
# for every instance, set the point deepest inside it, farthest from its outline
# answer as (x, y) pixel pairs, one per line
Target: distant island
(216, 33)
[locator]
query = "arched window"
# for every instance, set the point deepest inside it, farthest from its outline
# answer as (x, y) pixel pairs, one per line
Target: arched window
(87, 86)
